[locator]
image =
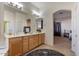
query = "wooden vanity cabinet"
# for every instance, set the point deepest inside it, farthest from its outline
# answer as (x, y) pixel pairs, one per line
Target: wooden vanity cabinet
(25, 44)
(33, 41)
(20, 45)
(15, 46)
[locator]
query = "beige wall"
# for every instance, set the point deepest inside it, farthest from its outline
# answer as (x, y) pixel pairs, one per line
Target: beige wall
(48, 27)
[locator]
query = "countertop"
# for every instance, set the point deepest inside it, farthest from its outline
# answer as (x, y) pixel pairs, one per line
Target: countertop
(19, 35)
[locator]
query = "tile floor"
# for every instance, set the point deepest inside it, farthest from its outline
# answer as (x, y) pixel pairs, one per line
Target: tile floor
(61, 44)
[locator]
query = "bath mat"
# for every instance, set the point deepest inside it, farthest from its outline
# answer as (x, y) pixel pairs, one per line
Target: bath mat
(45, 52)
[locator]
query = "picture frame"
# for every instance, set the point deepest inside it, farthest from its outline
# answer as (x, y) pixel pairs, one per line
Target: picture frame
(27, 29)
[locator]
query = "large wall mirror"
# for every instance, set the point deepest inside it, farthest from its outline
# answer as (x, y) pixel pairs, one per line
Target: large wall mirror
(39, 24)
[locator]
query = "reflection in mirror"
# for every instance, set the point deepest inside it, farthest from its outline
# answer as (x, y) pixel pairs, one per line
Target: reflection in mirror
(39, 23)
(28, 21)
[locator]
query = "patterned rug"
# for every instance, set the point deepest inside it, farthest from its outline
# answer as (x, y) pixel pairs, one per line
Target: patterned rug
(44, 52)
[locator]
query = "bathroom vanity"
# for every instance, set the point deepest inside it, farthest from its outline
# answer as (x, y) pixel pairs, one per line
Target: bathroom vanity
(21, 44)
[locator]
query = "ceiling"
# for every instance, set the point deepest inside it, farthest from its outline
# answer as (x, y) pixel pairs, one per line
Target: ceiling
(30, 5)
(62, 14)
(46, 5)
(42, 5)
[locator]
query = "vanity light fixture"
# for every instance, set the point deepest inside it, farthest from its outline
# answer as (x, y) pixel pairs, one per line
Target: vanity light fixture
(36, 13)
(15, 4)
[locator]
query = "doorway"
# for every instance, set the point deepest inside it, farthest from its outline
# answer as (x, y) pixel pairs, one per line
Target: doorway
(57, 28)
(62, 29)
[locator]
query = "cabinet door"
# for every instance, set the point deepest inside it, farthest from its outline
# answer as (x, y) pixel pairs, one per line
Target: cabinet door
(35, 40)
(25, 44)
(19, 46)
(15, 46)
(40, 41)
(41, 38)
(31, 42)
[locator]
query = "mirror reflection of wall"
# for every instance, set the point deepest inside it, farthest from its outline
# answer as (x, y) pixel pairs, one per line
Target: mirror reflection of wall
(27, 28)
(6, 29)
(28, 22)
(39, 23)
